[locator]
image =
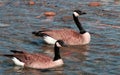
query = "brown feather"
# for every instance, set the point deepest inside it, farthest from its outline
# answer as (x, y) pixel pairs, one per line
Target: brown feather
(37, 60)
(28, 58)
(74, 38)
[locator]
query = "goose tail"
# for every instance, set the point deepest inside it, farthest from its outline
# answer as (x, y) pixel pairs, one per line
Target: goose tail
(39, 33)
(7, 55)
(15, 51)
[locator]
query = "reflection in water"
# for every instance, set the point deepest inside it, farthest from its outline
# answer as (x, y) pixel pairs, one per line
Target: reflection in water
(27, 71)
(22, 71)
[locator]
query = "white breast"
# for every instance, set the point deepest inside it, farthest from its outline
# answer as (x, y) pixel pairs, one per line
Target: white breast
(86, 37)
(58, 62)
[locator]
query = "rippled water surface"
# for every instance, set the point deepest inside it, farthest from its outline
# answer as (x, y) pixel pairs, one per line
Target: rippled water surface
(101, 57)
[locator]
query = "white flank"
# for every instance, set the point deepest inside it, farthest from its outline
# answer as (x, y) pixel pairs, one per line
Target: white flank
(49, 40)
(76, 14)
(17, 62)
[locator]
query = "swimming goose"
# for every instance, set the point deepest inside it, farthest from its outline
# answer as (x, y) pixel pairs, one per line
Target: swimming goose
(37, 60)
(69, 36)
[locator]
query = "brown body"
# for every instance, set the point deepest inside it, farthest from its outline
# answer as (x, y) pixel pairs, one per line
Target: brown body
(37, 60)
(69, 36)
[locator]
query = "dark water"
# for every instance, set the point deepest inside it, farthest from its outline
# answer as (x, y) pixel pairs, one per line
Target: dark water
(100, 57)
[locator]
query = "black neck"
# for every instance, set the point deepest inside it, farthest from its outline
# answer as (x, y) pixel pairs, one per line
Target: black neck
(57, 53)
(76, 20)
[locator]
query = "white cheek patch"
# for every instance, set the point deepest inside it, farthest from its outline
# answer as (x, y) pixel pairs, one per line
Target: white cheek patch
(17, 62)
(76, 14)
(58, 44)
(49, 40)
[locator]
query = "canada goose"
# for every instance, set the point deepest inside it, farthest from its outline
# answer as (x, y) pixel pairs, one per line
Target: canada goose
(69, 36)
(36, 60)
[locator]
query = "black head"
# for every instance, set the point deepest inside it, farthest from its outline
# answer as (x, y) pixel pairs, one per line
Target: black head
(60, 43)
(79, 12)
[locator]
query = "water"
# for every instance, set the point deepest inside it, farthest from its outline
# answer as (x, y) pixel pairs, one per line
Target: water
(100, 57)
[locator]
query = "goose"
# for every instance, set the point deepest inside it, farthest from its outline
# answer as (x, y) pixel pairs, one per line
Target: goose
(69, 36)
(37, 60)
